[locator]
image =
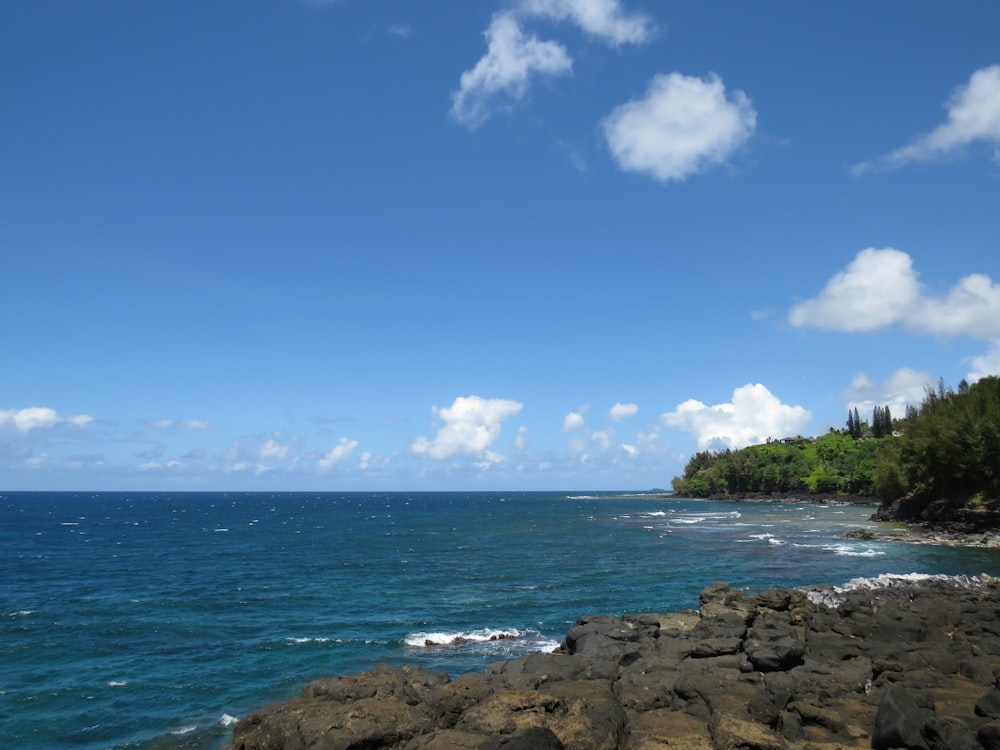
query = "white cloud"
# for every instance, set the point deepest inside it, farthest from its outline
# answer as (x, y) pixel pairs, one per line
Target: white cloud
(273, 449)
(620, 411)
(682, 126)
(574, 420)
(604, 19)
(973, 115)
(904, 387)
(603, 438)
(753, 415)
(880, 288)
(875, 291)
(985, 364)
(502, 75)
(630, 449)
(471, 425)
(194, 425)
(39, 418)
(340, 451)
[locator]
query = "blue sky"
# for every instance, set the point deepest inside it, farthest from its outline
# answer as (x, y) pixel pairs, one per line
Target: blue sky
(535, 244)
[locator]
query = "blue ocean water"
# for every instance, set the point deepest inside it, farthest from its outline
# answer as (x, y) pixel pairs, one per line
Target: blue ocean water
(154, 620)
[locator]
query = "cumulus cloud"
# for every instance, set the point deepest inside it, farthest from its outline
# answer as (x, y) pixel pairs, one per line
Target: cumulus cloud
(502, 76)
(904, 387)
(973, 115)
(339, 452)
(753, 415)
(605, 19)
(40, 418)
(471, 425)
(682, 126)
(574, 420)
(880, 288)
(620, 411)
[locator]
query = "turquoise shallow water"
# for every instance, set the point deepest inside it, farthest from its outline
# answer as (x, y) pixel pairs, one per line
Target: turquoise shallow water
(153, 620)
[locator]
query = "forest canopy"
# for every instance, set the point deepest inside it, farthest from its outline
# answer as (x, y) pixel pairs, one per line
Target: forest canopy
(949, 446)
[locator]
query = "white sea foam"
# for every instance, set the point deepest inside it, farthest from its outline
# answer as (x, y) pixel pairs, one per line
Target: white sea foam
(227, 720)
(484, 635)
(849, 551)
(22, 613)
(832, 596)
(222, 530)
(117, 683)
(184, 730)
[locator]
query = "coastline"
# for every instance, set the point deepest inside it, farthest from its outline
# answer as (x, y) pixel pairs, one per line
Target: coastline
(896, 661)
(941, 533)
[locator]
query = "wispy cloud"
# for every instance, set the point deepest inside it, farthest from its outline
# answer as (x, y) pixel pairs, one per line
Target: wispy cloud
(338, 453)
(604, 19)
(753, 415)
(973, 115)
(501, 78)
(515, 59)
(682, 126)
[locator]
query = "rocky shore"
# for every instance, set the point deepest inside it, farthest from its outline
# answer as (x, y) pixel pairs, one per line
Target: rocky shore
(892, 662)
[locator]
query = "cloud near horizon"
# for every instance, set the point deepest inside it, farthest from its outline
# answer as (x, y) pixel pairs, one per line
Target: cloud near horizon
(681, 126)
(753, 416)
(40, 418)
(973, 115)
(471, 425)
(904, 387)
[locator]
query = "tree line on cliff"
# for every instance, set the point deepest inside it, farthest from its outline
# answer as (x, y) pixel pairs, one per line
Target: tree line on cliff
(949, 446)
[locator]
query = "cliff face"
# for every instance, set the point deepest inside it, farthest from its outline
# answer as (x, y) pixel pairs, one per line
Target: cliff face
(915, 665)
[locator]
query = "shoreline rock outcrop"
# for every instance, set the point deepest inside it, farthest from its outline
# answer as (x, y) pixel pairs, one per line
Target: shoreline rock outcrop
(909, 664)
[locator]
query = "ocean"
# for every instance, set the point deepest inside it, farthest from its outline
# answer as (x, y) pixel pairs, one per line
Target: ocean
(156, 620)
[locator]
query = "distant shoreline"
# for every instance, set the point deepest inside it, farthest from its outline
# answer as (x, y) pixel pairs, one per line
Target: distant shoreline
(778, 497)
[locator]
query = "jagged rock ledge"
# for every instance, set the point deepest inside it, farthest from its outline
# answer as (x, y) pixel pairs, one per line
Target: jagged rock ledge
(893, 662)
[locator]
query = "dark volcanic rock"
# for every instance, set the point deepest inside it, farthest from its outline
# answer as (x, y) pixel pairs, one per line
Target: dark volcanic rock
(907, 665)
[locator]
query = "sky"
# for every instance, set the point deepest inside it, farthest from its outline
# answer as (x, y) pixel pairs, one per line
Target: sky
(498, 245)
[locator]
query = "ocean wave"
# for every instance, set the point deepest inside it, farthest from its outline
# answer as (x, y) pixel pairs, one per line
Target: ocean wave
(184, 730)
(21, 613)
(227, 720)
(832, 596)
(461, 638)
(849, 551)
(117, 683)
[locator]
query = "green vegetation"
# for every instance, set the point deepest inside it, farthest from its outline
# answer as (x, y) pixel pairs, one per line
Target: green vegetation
(948, 447)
